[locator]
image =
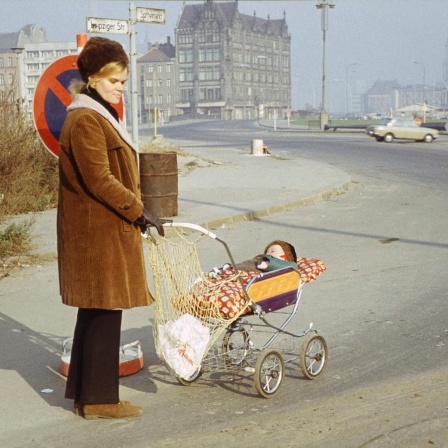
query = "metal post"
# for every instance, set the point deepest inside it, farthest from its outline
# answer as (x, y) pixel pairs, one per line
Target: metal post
(134, 77)
(346, 87)
(323, 6)
(423, 90)
(18, 51)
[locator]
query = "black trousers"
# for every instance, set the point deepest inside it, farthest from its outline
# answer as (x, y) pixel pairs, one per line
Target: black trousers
(95, 359)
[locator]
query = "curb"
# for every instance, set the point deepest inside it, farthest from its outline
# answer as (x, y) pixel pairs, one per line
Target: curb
(257, 214)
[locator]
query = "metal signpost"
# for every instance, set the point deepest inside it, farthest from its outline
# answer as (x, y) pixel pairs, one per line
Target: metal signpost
(112, 26)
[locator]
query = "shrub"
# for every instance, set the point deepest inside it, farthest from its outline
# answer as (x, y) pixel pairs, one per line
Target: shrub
(15, 239)
(28, 173)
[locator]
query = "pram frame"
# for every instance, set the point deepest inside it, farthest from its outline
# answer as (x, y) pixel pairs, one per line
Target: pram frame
(264, 388)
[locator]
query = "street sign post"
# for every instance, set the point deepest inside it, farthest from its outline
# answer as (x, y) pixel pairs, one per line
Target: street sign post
(112, 26)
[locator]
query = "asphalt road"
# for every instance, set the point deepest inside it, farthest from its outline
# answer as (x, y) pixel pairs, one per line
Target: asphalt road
(381, 306)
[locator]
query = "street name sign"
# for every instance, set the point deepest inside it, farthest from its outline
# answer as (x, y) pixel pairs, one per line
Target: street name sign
(151, 15)
(111, 26)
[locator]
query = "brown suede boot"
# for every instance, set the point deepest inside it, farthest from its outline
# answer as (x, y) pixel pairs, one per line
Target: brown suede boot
(123, 409)
(78, 407)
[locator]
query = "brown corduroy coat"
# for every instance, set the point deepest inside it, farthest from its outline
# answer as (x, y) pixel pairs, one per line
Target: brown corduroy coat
(100, 253)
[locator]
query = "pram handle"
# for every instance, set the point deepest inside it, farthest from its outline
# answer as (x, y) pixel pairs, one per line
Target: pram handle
(191, 226)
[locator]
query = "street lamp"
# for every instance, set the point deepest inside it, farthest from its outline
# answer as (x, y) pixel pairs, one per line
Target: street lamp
(20, 100)
(423, 89)
(323, 5)
(346, 86)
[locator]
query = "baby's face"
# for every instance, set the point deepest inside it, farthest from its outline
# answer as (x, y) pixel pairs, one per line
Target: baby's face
(276, 251)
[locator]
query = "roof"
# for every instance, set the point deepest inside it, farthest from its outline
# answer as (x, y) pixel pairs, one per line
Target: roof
(26, 35)
(8, 41)
(160, 53)
(227, 15)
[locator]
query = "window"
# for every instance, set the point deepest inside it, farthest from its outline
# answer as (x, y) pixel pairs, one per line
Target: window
(185, 38)
(159, 82)
(160, 99)
(149, 83)
(186, 94)
(32, 79)
(33, 66)
(10, 78)
(47, 53)
(168, 68)
(2, 79)
(150, 69)
(186, 74)
(10, 61)
(60, 53)
(169, 98)
(185, 56)
(159, 69)
(32, 54)
(209, 54)
(209, 73)
(1, 62)
(168, 82)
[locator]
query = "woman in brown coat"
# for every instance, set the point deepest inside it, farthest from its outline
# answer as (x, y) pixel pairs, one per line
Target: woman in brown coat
(100, 216)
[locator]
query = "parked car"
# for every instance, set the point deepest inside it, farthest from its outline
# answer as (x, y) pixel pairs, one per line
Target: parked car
(401, 129)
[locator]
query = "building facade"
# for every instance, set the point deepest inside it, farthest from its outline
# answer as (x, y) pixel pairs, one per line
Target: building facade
(157, 85)
(24, 55)
(231, 65)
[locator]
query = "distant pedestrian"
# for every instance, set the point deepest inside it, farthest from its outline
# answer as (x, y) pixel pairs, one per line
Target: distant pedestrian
(100, 216)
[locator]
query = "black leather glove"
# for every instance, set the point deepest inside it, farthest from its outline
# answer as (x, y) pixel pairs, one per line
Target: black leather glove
(148, 219)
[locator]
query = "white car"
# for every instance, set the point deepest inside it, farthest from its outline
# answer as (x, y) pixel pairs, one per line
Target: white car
(401, 129)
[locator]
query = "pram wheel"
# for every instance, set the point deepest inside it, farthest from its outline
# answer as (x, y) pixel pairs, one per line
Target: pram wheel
(313, 355)
(192, 379)
(269, 371)
(235, 345)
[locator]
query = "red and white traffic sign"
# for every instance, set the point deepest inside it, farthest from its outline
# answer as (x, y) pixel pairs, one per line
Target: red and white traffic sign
(52, 97)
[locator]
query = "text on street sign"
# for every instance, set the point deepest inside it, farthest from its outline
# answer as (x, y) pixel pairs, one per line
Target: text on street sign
(151, 15)
(112, 26)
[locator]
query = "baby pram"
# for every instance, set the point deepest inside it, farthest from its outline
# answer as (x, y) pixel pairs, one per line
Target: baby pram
(227, 319)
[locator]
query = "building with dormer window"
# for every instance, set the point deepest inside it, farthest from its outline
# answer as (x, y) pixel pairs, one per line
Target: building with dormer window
(231, 65)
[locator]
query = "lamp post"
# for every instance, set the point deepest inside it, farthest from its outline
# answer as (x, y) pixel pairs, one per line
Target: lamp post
(323, 5)
(20, 100)
(346, 86)
(423, 90)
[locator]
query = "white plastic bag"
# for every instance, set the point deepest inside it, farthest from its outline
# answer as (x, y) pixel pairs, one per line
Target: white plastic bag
(182, 344)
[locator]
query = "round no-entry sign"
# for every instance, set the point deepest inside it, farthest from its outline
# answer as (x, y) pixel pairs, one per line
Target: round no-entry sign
(51, 99)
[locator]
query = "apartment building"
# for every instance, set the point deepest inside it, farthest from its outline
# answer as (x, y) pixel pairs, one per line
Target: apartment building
(157, 82)
(24, 55)
(231, 65)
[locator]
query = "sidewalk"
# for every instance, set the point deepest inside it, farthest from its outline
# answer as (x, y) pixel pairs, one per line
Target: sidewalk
(230, 186)
(225, 186)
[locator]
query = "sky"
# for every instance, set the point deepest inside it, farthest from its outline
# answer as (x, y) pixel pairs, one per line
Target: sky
(366, 40)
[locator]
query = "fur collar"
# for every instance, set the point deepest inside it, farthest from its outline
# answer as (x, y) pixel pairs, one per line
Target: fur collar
(83, 101)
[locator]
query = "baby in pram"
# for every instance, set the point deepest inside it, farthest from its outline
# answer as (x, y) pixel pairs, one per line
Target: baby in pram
(278, 254)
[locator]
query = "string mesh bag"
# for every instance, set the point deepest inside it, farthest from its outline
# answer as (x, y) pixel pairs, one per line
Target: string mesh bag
(192, 309)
